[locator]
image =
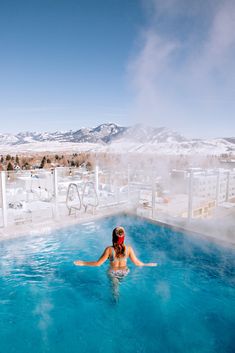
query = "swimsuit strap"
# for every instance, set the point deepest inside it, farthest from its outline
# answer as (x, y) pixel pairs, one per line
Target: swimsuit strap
(126, 251)
(114, 258)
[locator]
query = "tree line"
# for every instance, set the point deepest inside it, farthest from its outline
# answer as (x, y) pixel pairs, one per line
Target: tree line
(39, 161)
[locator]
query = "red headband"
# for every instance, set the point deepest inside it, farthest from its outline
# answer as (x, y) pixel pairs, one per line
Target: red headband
(119, 235)
(120, 239)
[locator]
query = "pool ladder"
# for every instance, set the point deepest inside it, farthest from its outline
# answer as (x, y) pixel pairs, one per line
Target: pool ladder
(73, 199)
(92, 201)
(75, 202)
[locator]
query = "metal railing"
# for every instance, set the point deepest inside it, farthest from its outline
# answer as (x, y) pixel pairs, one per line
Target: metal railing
(37, 195)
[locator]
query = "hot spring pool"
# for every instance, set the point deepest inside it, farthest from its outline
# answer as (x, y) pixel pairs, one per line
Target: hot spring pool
(186, 304)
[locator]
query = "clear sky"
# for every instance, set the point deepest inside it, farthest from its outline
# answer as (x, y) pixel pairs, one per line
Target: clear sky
(65, 64)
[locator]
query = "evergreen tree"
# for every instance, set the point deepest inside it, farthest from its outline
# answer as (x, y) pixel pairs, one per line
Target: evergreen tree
(43, 162)
(10, 166)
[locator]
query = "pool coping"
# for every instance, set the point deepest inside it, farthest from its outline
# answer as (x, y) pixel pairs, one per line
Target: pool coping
(188, 231)
(47, 226)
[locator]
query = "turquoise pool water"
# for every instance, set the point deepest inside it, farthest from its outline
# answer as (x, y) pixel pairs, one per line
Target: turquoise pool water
(186, 304)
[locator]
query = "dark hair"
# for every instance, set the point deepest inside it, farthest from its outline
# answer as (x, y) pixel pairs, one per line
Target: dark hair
(118, 248)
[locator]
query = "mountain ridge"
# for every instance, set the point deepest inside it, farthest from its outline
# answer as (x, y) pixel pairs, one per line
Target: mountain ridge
(112, 137)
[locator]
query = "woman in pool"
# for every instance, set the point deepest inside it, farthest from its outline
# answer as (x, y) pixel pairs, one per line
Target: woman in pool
(117, 255)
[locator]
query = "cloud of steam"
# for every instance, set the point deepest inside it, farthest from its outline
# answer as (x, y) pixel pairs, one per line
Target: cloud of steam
(147, 70)
(43, 311)
(183, 69)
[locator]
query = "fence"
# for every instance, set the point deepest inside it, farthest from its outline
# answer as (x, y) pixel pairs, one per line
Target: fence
(38, 195)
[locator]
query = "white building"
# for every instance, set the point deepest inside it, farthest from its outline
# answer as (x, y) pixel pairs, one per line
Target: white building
(209, 184)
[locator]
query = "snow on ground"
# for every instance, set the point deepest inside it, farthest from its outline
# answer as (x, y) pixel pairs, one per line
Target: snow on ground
(49, 146)
(204, 147)
(169, 148)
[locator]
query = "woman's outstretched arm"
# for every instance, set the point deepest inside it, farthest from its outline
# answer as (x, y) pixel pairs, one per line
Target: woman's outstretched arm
(99, 262)
(136, 261)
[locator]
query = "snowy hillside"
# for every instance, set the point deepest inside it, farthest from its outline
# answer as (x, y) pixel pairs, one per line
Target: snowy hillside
(100, 134)
(117, 139)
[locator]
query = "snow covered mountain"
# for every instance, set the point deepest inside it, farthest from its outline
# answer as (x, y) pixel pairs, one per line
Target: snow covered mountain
(147, 134)
(113, 138)
(100, 134)
(105, 133)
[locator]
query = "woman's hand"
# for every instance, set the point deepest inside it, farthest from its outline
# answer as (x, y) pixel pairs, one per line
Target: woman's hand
(99, 262)
(152, 264)
(79, 263)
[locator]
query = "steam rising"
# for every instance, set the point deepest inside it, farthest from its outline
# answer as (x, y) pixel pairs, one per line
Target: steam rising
(181, 72)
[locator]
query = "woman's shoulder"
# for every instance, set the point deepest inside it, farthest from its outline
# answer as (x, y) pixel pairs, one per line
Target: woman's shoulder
(127, 248)
(109, 249)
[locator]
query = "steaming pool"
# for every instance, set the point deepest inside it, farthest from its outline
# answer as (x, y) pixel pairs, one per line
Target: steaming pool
(186, 304)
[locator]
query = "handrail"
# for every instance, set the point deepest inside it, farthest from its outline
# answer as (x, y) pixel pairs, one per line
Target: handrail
(71, 201)
(96, 198)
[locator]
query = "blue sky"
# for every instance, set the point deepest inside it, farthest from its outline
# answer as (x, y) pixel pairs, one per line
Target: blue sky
(65, 64)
